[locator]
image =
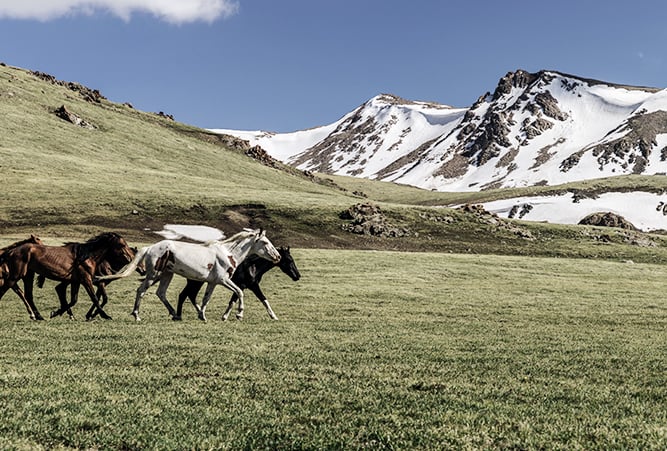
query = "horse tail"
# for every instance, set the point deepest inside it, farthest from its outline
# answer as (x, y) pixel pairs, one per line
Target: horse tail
(127, 269)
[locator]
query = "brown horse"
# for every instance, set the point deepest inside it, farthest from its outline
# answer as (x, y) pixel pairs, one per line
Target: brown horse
(105, 268)
(75, 263)
(29, 304)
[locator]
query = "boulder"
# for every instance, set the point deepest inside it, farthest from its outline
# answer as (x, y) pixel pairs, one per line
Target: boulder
(607, 219)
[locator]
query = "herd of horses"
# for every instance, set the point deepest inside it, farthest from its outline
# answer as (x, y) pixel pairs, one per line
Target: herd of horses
(237, 263)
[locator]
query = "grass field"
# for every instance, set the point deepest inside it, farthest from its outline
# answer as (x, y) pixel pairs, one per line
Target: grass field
(379, 350)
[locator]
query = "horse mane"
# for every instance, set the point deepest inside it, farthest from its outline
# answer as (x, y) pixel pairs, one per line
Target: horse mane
(245, 233)
(83, 251)
(235, 239)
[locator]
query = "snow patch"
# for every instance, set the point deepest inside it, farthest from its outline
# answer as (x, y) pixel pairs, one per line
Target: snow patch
(646, 211)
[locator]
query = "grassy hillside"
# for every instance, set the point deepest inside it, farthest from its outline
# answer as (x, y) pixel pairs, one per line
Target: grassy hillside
(57, 173)
(133, 171)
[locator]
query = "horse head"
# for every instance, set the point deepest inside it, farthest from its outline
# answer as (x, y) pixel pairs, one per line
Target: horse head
(287, 264)
(264, 248)
(116, 250)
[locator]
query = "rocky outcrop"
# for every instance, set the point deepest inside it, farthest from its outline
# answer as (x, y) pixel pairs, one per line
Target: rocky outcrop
(607, 219)
(368, 219)
(498, 224)
(89, 95)
(259, 154)
(636, 145)
(67, 115)
(518, 79)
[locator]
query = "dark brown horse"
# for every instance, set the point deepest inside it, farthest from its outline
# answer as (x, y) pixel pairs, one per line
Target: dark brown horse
(75, 263)
(29, 304)
(104, 268)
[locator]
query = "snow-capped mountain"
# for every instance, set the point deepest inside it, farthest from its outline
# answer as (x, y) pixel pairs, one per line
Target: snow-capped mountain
(542, 128)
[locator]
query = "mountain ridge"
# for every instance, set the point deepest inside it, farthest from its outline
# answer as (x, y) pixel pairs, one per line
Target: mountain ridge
(533, 130)
(573, 123)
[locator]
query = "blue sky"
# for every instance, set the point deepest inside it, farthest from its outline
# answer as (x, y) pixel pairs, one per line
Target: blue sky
(285, 65)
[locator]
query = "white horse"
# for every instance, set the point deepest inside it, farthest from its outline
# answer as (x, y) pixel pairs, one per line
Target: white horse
(213, 262)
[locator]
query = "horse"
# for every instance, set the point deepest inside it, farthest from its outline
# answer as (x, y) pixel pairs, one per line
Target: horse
(75, 263)
(29, 304)
(213, 262)
(104, 268)
(248, 275)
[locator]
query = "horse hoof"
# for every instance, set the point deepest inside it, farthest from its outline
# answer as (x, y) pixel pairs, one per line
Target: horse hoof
(239, 317)
(176, 318)
(39, 318)
(54, 313)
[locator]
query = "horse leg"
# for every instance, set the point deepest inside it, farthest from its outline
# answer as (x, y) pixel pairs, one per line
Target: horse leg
(189, 292)
(239, 294)
(20, 294)
(232, 300)
(141, 291)
(101, 294)
(28, 287)
(61, 290)
(74, 297)
(258, 292)
(88, 285)
(165, 280)
(207, 297)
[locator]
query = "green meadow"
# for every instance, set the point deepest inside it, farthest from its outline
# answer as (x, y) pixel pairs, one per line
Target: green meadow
(373, 349)
(468, 332)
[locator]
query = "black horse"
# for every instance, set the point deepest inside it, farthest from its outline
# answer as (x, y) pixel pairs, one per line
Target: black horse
(247, 275)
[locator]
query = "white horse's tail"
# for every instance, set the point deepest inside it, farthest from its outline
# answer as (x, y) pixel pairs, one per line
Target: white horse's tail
(127, 269)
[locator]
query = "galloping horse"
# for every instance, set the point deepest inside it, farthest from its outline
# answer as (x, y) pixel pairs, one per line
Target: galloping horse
(213, 262)
(29, 304)
(75, 263)
(104, 268)
(248, 275)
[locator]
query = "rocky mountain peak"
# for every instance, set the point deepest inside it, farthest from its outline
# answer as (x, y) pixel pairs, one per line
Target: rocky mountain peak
(518, 79)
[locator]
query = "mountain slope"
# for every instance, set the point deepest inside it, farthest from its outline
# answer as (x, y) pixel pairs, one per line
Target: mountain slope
(534, 129)
(545, 128)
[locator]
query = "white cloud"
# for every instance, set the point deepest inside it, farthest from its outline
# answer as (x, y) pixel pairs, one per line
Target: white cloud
(174, 11)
